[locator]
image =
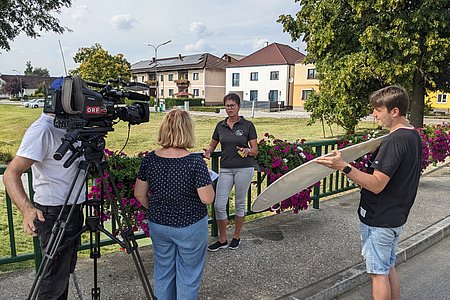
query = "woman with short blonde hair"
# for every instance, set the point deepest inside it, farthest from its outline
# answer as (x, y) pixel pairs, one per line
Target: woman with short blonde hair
(177, 130)
(175, 186)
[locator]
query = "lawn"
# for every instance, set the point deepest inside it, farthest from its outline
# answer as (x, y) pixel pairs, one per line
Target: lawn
(16, 119)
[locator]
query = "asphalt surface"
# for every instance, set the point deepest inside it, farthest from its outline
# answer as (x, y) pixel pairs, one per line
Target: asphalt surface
(425, 276)
(311, 255)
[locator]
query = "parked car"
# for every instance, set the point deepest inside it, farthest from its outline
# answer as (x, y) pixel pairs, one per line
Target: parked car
(37, 103)
(27, 104)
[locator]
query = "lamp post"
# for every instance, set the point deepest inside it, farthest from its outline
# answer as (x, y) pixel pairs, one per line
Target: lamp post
(20, 83)
(156, 69)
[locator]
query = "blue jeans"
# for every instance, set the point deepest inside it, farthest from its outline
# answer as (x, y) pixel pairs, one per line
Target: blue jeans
(379, 247)
(179, 258)
(241, 179)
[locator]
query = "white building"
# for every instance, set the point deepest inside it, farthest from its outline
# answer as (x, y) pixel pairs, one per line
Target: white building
(265, 75)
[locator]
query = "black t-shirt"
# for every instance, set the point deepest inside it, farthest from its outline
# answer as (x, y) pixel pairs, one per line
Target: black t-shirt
(398, 157)
(173, 182)
(243, 131)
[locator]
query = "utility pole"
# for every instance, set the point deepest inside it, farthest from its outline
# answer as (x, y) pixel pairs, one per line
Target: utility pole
(20, 84)
(156, 69)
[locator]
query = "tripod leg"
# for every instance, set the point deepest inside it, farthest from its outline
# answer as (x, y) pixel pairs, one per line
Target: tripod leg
(53, 245)
(127, 232)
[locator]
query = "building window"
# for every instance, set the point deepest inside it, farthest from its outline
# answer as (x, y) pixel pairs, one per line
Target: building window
(306, 93)
(142, 79)
(194, 76)
(254, 76)
(311, 74)
(170, 77)
(162, 77)
(273, 95)
(274, 75)
(162, 93)
(196, 92)
(171, 92)
(442, 98)
(253, 95)
(235, 79)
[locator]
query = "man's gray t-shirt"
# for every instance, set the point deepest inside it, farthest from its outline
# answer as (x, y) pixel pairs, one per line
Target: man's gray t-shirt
(229, 138)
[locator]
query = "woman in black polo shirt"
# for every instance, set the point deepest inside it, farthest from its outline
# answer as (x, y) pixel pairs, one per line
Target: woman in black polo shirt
(237, 138)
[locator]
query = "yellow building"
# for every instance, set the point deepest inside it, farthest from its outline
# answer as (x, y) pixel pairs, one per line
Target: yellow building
(305, 81)
(439, 101)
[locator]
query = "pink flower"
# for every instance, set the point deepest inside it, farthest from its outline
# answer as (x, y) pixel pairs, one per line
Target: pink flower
(108, 152)
(140, 216)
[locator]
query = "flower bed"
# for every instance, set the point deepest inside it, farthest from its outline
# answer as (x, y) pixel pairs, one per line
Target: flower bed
(276, 157)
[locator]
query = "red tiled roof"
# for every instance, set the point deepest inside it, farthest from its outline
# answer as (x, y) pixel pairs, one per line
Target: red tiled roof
(273, 54)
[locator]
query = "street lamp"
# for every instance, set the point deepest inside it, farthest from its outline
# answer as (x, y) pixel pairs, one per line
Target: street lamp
(156, 69)
(20, 83)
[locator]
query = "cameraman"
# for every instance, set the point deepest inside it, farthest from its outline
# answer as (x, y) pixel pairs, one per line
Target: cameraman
(51, 183)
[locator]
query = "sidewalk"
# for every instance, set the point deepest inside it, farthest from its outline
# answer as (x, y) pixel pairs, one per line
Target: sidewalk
(312, 255)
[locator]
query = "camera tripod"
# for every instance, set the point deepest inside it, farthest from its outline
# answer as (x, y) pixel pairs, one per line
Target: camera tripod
(92, 147)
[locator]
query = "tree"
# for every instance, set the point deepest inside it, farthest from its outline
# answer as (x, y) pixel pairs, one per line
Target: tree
(30, 71)
(29, 17)
(97, 65)
(360, 46)
(12, 87)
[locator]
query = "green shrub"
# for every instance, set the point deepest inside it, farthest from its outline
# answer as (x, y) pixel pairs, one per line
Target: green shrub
(171, 102)
(152, 101)
(215, 109)
(5, 157)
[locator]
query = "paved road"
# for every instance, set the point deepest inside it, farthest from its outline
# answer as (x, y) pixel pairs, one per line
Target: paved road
(425, 276)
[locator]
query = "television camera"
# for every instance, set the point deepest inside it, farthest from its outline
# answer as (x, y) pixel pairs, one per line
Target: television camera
(76, 106)
(88, 114)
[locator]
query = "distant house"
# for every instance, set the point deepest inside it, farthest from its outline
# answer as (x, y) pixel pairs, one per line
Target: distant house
(198, 75)
(439, 101)
(30, 84)
(265, 75)
(232, 58)
(305, 82)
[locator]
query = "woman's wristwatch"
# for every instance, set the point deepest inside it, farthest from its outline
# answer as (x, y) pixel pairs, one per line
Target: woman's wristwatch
(347, 169)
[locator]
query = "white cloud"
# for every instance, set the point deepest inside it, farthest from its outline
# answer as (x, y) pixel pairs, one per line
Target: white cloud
(123, 22)
(199, 46)
(199, 29)
(256, 43)
(79, 13)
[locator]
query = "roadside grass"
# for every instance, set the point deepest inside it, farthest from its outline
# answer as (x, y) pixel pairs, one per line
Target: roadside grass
(16, 119)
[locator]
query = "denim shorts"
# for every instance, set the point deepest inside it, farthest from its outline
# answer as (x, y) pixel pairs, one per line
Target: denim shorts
(379, 247)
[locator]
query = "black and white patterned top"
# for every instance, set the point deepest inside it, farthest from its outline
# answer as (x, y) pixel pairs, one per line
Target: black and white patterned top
(173, 182)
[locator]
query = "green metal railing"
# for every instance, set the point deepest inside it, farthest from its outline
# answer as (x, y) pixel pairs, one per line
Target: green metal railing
(332, 184)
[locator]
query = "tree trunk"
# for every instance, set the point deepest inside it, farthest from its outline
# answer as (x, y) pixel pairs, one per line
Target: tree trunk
(417, 103)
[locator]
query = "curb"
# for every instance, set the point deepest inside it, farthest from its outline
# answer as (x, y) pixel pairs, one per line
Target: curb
(346, 280)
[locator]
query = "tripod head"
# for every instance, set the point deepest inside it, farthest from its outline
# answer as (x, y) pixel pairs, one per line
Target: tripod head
(91, 144)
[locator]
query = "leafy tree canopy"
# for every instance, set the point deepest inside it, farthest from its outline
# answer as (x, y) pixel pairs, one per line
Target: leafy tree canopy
(30, 71)
(97, 65)
(29, 17)
(360, 46)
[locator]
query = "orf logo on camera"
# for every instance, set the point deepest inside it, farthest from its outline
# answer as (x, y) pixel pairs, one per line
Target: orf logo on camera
(94, 110)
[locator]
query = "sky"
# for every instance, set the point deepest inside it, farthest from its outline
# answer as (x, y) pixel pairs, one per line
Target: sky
(198, 26)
